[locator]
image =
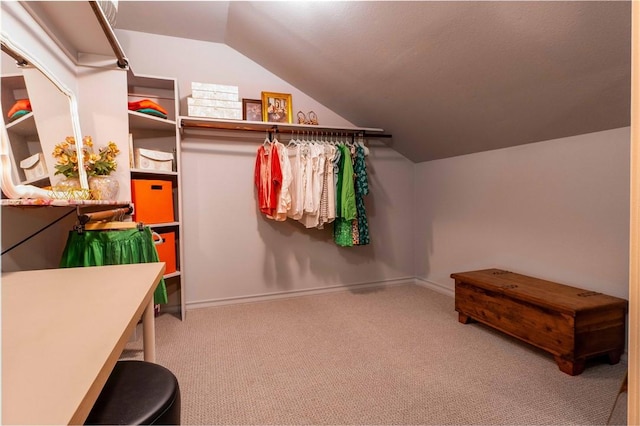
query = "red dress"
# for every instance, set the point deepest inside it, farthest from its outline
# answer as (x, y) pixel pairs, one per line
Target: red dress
(268, 179)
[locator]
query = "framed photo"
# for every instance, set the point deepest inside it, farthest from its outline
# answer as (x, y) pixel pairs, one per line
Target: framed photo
(252, 109)
(276, 107)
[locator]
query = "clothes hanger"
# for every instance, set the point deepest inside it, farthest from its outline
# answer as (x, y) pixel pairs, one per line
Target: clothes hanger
(292, 141)
(105, 215)
(108, 220)
(361, 142)
(113, 226)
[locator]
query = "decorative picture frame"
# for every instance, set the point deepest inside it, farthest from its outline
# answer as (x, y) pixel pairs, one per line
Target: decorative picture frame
(276, 107)
(252, 109)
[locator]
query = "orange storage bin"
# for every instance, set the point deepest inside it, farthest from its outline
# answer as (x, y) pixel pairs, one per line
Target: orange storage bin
(167, 251)
(153, 201)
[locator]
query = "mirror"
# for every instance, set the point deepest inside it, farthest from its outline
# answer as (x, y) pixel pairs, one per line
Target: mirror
(30, 130)
(36, 113)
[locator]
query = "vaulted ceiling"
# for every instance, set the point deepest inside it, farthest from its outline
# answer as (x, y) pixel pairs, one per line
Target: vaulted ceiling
(444, 78)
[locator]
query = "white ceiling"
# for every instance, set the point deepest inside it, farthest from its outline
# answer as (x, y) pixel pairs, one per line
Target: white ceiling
(444, 78)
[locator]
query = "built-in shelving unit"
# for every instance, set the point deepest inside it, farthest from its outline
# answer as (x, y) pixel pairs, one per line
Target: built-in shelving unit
(160, 134)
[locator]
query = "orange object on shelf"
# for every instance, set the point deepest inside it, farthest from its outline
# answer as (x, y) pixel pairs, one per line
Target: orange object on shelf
(146, 103)
(152, 200)
(21, 104)
(167, 251)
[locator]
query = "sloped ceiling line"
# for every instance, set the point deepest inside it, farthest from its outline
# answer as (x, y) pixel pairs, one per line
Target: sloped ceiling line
(445, 78)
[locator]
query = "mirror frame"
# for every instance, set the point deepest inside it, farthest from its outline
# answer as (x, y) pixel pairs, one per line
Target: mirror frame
(29, 191)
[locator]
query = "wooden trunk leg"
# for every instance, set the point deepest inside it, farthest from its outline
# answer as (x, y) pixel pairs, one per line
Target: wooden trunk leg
(463, 318)
(614, 356)
(572, 368)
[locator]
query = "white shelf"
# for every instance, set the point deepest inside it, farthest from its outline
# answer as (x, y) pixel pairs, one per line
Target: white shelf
(153, 172)
(24, 125)
(172, 275)
(42, 180)
(139, 120)
(162, 225)
(148, 82)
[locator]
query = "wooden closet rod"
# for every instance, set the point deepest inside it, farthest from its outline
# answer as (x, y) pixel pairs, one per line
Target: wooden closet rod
(104, 215)
(260, 126)
(296, 131)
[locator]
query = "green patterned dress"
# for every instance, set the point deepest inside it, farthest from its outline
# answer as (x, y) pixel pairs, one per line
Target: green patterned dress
(346, 206)
(361, 189)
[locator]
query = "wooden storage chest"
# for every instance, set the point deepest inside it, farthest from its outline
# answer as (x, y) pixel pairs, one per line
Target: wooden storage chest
(571, 323)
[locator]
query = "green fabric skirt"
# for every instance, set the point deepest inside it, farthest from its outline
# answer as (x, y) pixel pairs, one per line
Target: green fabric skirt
(100, 248)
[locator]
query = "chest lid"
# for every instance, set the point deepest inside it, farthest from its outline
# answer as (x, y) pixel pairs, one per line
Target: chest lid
(543, 293)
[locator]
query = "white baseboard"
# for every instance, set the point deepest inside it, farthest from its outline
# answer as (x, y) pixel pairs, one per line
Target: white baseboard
(296, 293)
(435, 286)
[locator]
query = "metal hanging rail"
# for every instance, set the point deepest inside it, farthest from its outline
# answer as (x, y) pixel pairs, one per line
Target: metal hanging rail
(123, 62)
(20, 61)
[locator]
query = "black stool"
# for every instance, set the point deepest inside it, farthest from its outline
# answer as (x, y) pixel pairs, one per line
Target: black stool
(137, 393)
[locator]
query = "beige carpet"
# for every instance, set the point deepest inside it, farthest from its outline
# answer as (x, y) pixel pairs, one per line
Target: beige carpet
(392, 355)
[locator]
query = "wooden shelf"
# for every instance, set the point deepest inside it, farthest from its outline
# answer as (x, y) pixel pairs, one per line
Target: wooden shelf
(261, 126)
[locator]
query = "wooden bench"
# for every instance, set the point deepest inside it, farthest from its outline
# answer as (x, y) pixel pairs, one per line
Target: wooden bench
(571, 323)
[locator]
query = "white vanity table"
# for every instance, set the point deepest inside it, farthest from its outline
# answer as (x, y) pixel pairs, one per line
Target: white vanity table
(63, 331)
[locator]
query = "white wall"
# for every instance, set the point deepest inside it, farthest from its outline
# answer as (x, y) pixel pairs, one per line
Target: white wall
(199, 61)
(42, 251)
(27, 36)
(231, 251)
(105, 118)
(557, 210)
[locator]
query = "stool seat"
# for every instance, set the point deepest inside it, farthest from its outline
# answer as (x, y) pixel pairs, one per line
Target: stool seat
(137, 393)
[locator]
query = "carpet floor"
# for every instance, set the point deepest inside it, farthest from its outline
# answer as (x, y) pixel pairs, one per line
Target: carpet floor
(389, 355)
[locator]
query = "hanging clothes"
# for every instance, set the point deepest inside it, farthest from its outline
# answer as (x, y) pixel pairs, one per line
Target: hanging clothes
(327, 196)
(267, 179)
(315, 182)
(336, 174)
(296, 188)
(346, 207)
(283, 197)
(361, 189)
(121, 247)
(313, 187)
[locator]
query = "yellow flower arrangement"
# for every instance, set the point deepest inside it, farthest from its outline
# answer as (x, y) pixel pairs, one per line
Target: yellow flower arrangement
(96, 164)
